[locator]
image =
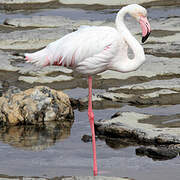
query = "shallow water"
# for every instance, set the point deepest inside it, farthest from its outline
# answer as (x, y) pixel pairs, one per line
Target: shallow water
(70, 155)
(77, 13)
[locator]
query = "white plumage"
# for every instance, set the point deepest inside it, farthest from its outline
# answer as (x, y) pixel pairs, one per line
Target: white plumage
(89, 50)
(93, 49)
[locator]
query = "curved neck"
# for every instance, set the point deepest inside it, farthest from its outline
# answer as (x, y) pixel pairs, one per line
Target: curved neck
(139, 57)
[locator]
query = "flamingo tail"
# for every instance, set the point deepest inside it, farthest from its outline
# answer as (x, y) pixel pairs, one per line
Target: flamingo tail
(39, 58)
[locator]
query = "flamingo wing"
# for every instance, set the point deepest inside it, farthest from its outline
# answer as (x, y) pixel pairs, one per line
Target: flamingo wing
(90, 47)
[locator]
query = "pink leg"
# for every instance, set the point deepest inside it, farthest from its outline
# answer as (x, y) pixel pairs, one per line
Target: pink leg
(91, 120)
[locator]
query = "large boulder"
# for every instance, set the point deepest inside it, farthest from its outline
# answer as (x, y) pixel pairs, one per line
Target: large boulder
(37, 105)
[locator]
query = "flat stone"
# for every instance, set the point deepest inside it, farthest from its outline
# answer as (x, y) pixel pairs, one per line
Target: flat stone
(29, 69)
(101, 101)
(38, 38)
(153, 66)
(93, 178)
(106, 2)
(171, 84)
(49, 22)
(128, 125)
(171, 25)
(30, 39)
(6, 177)
(44, 79)
(158, 93)
(5, 60)
(40, 21)
(24, 1)
(27, 4)
(158, 97)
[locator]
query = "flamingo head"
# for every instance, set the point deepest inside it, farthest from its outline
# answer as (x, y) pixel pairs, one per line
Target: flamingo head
(140, 14)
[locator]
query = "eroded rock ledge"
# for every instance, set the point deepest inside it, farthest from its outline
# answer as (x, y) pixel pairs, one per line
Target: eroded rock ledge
(127, 124)
(165, 142)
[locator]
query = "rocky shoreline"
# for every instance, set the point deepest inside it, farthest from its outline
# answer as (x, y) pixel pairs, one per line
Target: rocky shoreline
(5, 177)
(156, 84)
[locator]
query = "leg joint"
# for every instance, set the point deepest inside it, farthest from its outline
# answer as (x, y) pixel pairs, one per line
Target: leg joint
(91, 115)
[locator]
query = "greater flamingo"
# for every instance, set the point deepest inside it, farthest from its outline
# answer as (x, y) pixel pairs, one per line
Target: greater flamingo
(94, 49)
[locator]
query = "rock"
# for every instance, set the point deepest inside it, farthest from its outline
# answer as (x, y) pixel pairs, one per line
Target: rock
(93, 178)
(24, 1)
(5, 60)
(49, 22)
(115, 2)
(86, 138)
(130, 125)
(27, 4)
(166, 86)
(6, 177)
(44, 79)
(34, 39)
(153, 67)
(30, 73)
(75, 103)
(157, 153)
(29, 69)
(114, 99)
(167, 47)
(40, 22)
(34, 106)
(100, 101)
(30, 39)
(165, 26)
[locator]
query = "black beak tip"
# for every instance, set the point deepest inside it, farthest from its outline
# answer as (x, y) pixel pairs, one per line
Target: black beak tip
(144, 38)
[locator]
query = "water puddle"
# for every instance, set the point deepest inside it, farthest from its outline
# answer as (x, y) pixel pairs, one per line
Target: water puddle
(51, 152)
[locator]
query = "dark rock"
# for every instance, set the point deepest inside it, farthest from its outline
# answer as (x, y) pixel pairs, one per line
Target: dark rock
(5, 84)
(87, 138)
(76, 104)
(116, 115)
(136, 126)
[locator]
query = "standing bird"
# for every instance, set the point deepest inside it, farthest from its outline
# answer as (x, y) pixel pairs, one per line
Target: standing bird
(94, 49)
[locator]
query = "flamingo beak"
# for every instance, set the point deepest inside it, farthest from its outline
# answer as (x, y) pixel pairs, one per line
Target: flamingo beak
(146, 28)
